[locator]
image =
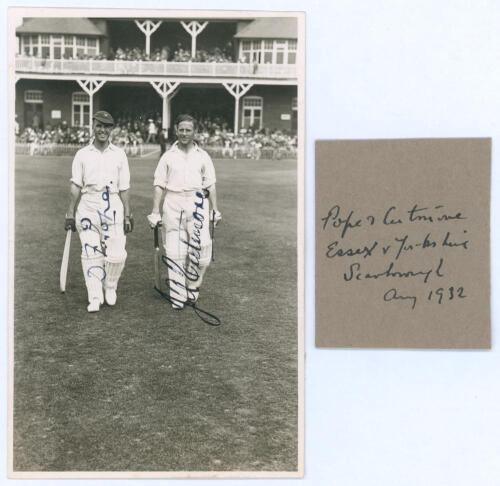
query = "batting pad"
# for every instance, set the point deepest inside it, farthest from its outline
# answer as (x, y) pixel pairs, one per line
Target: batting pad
(94, 273)
(113, 272)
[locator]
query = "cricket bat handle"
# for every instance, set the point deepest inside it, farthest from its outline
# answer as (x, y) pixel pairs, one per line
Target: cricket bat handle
(157, 256)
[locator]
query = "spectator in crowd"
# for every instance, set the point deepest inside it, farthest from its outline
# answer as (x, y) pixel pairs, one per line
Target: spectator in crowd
(135, 143)
(36, 121)
(227, 149)
(162, 140)
(152, 131)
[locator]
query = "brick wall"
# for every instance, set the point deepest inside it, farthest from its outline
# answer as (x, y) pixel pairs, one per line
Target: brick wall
(277, 102)
(143, 99)
(56, 96)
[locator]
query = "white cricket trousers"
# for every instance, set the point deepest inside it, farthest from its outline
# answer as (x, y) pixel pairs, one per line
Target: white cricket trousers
(99, 221)
(187, 242)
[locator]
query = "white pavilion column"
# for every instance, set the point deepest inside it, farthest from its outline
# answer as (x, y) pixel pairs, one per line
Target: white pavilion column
(91, 86)
(164, 89)
(194, 28)
(170, 97)
(237, 90)
(148, 27)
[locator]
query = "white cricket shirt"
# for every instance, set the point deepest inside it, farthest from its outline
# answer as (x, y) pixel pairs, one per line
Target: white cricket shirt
(94, 170)
(180, 171)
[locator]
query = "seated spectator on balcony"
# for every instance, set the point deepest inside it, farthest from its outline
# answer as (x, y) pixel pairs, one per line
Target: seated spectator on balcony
(182, 55)
(119, 54)
(164, 53)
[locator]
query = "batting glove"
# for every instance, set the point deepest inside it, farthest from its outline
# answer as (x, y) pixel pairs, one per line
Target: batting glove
(69, 224)
(154, 219)
(216, 217)
(128, 224)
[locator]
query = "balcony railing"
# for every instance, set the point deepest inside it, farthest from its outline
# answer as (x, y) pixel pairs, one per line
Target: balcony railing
(154, 68)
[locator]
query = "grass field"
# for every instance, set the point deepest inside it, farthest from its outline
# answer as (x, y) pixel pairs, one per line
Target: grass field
(141, 387)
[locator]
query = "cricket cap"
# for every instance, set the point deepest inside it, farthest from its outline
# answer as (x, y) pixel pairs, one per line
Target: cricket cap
(104, 117)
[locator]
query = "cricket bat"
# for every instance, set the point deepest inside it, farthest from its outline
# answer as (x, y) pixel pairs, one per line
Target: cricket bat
(65, 261)
(212, 234)
(157, 257)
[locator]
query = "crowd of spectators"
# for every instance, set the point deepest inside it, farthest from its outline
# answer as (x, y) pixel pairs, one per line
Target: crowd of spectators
(42, 141)
(248, 143)
(164, 53)
(202, 55)
(138, 54)
(131, 134)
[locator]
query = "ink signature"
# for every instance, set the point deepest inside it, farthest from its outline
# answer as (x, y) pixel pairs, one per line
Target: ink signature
(191, 271)
(205, 316)
(98, 271)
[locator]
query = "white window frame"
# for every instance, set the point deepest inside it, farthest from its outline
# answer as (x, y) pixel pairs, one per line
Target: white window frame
(267, 50)
(53, 45)
(28, 42)
(81, 104)
(279, 45)
(253, 109)
(70, 46)
(31, 41)
(47, 44)
(289, 49)
(35, 92)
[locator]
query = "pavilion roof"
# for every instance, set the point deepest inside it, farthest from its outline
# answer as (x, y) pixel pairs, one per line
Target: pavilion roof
(59, 25)
(270, 28)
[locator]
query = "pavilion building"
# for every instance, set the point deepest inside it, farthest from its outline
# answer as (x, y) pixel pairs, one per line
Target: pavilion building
(240, 70)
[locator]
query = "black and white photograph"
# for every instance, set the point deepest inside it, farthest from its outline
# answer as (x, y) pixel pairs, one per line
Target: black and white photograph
(156, 242)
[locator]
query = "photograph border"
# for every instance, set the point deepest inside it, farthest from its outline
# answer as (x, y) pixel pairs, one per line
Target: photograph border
(15, 13)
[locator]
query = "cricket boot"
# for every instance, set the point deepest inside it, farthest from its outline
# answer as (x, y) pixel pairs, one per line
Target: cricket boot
(113, 272)
(94, 272)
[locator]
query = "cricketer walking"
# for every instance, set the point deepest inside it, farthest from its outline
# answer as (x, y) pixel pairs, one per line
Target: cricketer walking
(100, 182)
(186, 174)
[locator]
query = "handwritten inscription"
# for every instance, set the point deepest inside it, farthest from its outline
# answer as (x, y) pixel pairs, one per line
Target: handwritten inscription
(392, 216)
(102, 229)
(439, 230)
(189, 272)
